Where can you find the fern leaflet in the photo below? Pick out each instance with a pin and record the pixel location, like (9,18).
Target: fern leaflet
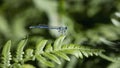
(6,55)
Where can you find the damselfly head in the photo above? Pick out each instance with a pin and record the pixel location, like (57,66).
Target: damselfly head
(62,30)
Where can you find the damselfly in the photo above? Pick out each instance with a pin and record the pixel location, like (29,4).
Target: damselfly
(59,28)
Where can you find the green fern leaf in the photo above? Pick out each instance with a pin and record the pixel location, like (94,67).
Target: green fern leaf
(90,53)
(19,52)
(77,54)
(52,57)
(44,61)
(58,43)
(40,46)
(62,55)
(6,56)
(85,53)
(48,48)
(29,55)
(80,54)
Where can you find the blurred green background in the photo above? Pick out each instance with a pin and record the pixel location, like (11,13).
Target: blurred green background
(93,23)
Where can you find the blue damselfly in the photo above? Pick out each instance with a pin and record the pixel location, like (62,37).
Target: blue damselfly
(60,29)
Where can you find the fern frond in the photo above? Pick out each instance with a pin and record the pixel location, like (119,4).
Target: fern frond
(62,55)
(6,55)
(40,46)
(45,52)
(58,43)
(52,57)
(29,55)
(20,52)
(48,48)
(44,61)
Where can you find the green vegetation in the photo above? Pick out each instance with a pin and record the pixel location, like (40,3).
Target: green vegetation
(91,41)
